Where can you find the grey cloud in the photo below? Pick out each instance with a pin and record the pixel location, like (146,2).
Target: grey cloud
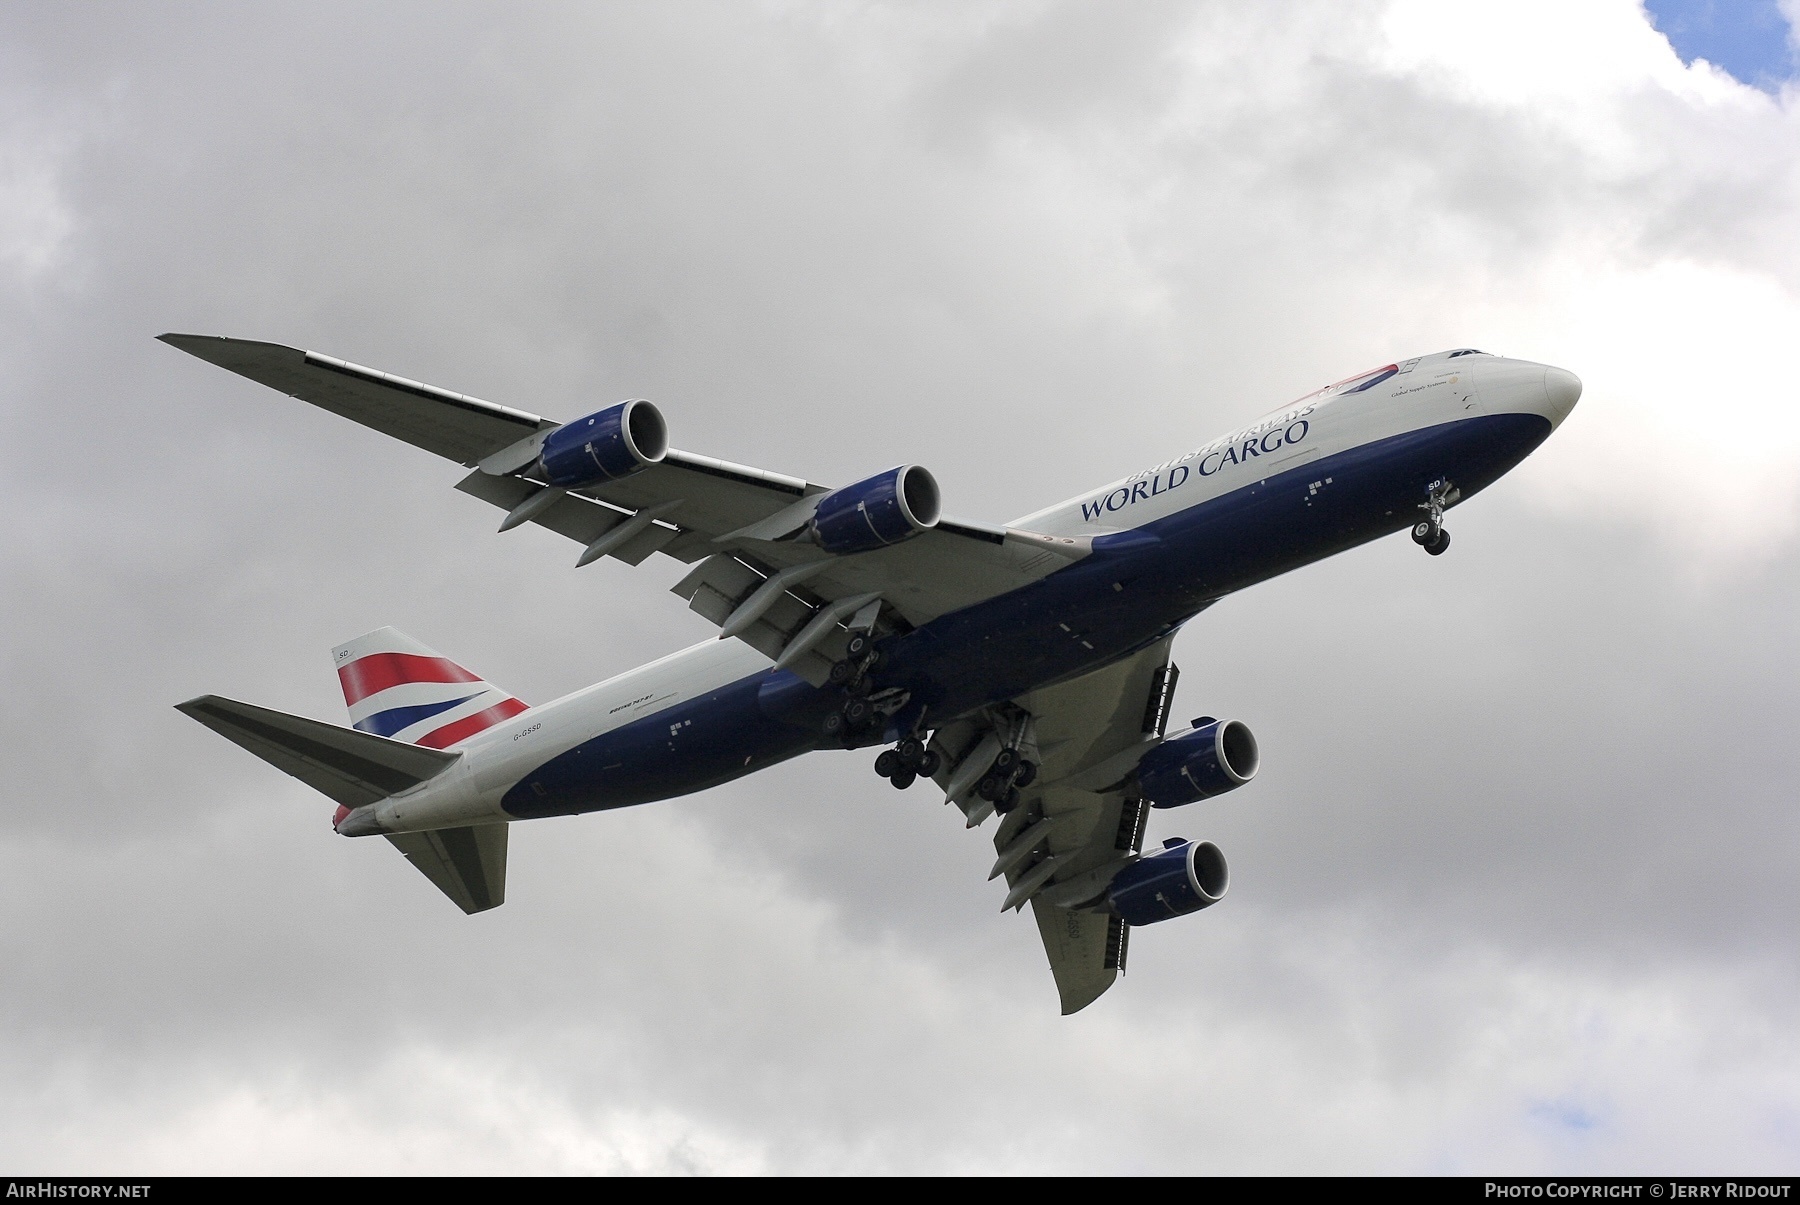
(1514,891)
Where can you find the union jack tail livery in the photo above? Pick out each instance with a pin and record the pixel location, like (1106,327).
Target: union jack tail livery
(397,688)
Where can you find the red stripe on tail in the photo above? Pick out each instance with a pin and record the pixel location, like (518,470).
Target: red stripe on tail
(378,671)
(469,725)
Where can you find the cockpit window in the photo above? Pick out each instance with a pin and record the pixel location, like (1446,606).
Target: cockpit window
(1467,351)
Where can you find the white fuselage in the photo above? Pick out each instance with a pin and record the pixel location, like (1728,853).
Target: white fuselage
(1414,396)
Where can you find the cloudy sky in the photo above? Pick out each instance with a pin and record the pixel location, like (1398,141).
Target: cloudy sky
(1516,890)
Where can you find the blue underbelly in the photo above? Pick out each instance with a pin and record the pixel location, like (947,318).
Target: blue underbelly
(1141,584)
(699,743)
(1136,587)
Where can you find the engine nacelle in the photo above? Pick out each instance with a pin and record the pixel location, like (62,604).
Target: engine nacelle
(1216,757)
(614,443)
(884,509)
(1184,877)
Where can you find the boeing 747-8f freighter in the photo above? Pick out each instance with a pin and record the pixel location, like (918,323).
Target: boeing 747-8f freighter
(1022,668)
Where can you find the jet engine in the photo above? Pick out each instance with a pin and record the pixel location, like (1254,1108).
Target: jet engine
(1216,756)
(1183,877)
(614,443)
(884,509)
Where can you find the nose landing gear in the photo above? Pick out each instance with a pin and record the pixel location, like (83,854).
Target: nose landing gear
(1432,540)
(1428,533)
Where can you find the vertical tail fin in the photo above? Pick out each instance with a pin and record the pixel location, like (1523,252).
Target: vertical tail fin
(396,687)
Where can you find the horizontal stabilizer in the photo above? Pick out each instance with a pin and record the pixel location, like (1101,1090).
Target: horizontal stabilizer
(467,864)
(463,428)
(353,768)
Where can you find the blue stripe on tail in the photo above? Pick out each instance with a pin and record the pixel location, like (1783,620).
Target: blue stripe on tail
(386,723)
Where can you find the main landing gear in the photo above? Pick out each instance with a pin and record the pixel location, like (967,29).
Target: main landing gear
(903,764)
(852,675)
(1428,533)
(908,760)
(1010,774)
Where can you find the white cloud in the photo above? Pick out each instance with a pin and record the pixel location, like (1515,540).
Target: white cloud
(1330,1043)
(1575,64)
(1549,182)
(419,1112)
(1688,412)
(1671,299)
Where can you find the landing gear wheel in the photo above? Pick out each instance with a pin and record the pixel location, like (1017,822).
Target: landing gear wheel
(1007,802)
(929,763)
(993,788)
(855,712)
(1025,775)
(1006,760)
(903,780)
(842,672)
(833,725)
(910,750)
(888,764)
(859,644)
(1428,533)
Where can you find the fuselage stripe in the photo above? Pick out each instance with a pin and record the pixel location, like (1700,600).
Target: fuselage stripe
(1381,374)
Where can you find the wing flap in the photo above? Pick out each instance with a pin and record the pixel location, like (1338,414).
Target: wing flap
(716,497)
(1077,725)
(580,519)
(937,571)
(1086,949)
(719,585)
(467,864)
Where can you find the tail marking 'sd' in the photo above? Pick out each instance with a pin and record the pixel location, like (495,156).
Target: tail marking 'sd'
(396,687)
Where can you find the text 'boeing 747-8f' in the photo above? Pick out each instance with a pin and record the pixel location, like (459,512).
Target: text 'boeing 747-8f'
(1024,669)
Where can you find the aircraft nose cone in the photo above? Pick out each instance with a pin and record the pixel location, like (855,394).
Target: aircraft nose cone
(1562,389)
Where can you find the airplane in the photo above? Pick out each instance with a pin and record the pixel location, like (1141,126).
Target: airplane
(1025,669)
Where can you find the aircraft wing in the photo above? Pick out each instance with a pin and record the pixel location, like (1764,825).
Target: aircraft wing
(733,523)
(1077,824)
(465,429)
